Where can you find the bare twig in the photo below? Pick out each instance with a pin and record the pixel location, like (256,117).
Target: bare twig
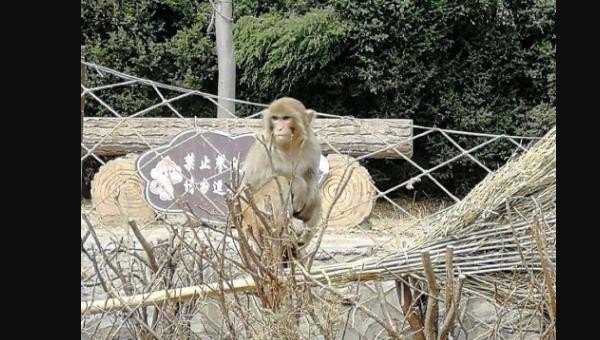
(384,307)
(147,247)
(432,306)
(452,310)
(449,278)
(338,194)
(391,332)
(409,308)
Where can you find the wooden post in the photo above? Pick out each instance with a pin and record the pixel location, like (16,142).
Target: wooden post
(226,61)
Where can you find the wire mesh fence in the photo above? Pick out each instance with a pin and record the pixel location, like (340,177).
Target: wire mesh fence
(378,267)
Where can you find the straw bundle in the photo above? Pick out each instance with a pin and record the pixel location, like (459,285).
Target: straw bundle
(503,234)
(526,182)
(480,256)
(356,199)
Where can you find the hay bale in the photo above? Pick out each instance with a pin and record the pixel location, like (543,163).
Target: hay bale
(356,199)
(117,193)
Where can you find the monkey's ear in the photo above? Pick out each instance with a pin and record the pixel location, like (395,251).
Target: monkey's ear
(310,115)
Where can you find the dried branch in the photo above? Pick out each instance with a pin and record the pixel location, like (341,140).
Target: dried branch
(391,331)
(449,278)
(432,306)
(337,196)
(409,308)
(448,322)
(147,247)
(384,307)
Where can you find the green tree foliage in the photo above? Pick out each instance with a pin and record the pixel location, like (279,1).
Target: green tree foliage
(162,40)
(278,54)
(475,65)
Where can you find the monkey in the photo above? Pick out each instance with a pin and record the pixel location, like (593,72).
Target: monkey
(287,147)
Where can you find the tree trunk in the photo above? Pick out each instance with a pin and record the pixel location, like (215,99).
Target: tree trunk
(226,61)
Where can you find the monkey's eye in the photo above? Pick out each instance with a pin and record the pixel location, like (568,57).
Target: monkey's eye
(275,118)
(286,117)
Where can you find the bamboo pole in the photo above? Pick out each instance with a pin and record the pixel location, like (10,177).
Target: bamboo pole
(244,284)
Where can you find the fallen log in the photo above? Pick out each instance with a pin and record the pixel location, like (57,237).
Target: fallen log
(377,138)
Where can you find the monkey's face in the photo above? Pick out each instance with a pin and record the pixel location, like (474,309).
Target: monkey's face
(288,120)
(283,128)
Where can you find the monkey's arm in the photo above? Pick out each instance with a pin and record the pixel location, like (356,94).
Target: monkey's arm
(306,194)
(257,166)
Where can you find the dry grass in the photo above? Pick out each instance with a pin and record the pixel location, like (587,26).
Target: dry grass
(386,216)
